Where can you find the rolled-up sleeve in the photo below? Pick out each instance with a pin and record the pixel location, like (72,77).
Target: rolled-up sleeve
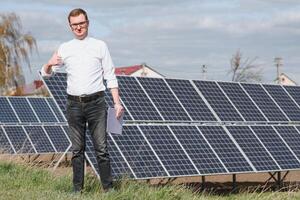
(108,69)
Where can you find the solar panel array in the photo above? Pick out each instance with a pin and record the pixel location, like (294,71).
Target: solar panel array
(177,127)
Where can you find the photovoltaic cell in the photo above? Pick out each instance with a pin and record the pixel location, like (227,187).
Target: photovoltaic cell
(276,147)
(284,101)
(253,148)
(241,101)
(7,114)
(198,149)
(56,110)
(264,102)
(23,109)
(119,167)
(191,100)
(136,101)
(19,139)
(163,98)
(5,147)
(42,109)
(138,153)
(227,151)
(291,136)
(58,138)
(57,84)
(39,139)
(218,101)
(169,151)
(294,91)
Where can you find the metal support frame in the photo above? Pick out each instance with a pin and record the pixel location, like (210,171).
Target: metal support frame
(234,185)
(278,180)
(61,158)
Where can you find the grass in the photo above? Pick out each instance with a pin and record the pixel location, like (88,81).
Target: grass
(22,182)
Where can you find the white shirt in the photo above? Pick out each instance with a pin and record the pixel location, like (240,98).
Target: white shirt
(87,63)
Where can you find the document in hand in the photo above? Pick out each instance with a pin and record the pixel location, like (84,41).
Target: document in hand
(114,125)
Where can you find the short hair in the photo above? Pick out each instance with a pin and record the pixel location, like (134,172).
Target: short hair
(76,12)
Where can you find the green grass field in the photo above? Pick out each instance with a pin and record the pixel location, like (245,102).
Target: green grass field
(22,182)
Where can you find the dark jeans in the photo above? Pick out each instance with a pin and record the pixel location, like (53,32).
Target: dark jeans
(92,114)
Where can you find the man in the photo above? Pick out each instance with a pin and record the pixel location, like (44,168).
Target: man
(88,62)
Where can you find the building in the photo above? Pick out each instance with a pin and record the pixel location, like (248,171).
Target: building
(286,80)
(141,70)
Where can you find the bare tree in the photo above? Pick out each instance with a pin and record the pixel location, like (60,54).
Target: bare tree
(15,48)
(244,70)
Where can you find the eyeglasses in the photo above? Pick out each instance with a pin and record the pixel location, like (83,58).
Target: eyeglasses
(80,24)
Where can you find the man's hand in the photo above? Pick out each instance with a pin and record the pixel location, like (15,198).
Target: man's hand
(119,110)
(54,60)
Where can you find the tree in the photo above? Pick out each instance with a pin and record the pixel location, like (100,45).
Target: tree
(244,71)
(15,48)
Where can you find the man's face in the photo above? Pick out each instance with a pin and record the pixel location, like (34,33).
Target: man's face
(79,26)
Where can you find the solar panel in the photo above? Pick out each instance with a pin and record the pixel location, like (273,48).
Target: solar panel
(284,101)
(42,110)
(119,167)
(169,151)
(291,136)
(225,148)
(242,101)
(164,99)
(294,91)
(7,114)
(276,147)
(138,153)
(199,150)
(58,138)
(264,102)
(23,109)
(136,101)
(39,139)
(218,101)
(191,100)
(57,85)
(253,148)
(5,146)
(56,110)
(19,139)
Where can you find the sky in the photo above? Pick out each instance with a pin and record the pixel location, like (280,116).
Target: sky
(174,37)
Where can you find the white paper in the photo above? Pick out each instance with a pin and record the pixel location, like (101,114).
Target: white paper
(114,125)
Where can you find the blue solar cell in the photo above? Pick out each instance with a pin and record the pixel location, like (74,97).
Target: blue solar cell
(276,147)
(225,148)
(164,99)
(242,102)
(253,148)
(56,110)
(218,101)
(7,114)
(291,136)
(294,91)
(284,101)
(58,138)
(169,151)
(264,102)
(191,100)
(23,109)
(5,146)
(19,139)
(136,101)
(39,139)
(42,110)
(57,85)
(138,153)
(198,149)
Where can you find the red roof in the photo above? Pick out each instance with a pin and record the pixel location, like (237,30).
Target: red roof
(127,70)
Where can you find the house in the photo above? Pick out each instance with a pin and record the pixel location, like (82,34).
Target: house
(141,70)
(286,80)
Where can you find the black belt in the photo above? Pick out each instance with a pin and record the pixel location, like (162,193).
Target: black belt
(86,98)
